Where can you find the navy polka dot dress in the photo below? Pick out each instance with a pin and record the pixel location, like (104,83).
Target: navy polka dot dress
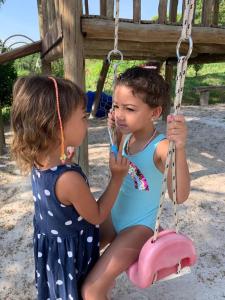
(65,245)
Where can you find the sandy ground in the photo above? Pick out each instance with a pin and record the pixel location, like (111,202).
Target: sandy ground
(202,217)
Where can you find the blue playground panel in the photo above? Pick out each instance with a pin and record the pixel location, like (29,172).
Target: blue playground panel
(104,105)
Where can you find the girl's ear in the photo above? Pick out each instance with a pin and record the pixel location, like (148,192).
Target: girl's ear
(156,113)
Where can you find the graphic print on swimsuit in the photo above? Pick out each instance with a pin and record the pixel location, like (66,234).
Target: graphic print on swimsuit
(140,182)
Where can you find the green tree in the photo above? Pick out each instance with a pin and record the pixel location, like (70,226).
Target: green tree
(197,68)
(8,75)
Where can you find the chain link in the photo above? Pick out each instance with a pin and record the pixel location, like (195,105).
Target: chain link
(180,78)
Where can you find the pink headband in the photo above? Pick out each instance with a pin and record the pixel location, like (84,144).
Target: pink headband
(63,155)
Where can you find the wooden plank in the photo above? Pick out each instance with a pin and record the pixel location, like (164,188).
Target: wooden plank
(136,11)
(173,11)
(20,52)
(104,30)
(110,9)
(209,88)
(162,11)
(203,58)
(100,85)
(103,7)
(73,56)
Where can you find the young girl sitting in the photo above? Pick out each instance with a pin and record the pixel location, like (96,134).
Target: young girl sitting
(139,98)
(48,115)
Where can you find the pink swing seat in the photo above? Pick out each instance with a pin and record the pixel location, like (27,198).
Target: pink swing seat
(170,252)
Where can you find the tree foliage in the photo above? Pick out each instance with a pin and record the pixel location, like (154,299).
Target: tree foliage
(8,75)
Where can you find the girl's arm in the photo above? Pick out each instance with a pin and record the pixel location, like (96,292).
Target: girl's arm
(71,189)
(177,132)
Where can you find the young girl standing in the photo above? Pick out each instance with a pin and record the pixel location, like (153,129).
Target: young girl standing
(48,116)
(140,96)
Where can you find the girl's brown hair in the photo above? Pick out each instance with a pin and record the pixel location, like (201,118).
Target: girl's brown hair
(146,83)
(34,118)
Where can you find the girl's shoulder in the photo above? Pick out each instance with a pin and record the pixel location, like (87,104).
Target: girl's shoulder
(161,146)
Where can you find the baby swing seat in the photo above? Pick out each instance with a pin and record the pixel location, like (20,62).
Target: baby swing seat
(163,258)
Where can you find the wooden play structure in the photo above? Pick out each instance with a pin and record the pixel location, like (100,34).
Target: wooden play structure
(68,31)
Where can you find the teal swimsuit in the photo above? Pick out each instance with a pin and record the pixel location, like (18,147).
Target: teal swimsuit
(138,200)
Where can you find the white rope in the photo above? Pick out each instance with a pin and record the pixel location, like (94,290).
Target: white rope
(180,78)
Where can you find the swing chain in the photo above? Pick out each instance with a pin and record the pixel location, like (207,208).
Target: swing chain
(180,78)
(114,52)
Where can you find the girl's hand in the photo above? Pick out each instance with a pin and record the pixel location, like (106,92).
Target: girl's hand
(177,130)
(118,165)
(111,119)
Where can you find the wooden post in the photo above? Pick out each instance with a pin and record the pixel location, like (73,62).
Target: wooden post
(43,25)
(110,9)
(73,56)
(216,12)
(86,7)
(100,85)
(207,12)
(103,7)
(204,98)
(162,11)
(136,11)
(169,79)
(173,11)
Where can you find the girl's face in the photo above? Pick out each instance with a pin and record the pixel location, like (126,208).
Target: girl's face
(76,127)
(131,113)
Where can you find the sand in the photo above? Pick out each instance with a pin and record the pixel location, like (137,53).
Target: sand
(202,217)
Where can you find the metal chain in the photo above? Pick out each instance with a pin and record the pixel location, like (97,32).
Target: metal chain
(180,78)
(115,51)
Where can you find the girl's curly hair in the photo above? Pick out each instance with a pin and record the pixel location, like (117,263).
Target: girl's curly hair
(34,116)
(147,84)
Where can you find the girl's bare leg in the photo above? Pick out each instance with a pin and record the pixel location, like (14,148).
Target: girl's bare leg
(122,252)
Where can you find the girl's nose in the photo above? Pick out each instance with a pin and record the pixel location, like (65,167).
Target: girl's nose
(119,115)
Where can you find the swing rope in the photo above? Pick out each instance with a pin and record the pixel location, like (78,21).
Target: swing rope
(180,78)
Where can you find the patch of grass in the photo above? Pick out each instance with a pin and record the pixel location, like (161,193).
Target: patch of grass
(210,74)
(6,114)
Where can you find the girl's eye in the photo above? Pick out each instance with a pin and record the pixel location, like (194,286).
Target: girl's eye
(130,109)
(115,107)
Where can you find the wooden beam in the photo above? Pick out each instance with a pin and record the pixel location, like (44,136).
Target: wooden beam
(104,30)
(20,52)
(73,56)
(203,59)
(162,11)
(136,11)
(103,7)
(173,11)
(110,9)
(100,85)
(45,66)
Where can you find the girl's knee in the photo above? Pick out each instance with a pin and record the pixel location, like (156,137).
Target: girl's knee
(89,291)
